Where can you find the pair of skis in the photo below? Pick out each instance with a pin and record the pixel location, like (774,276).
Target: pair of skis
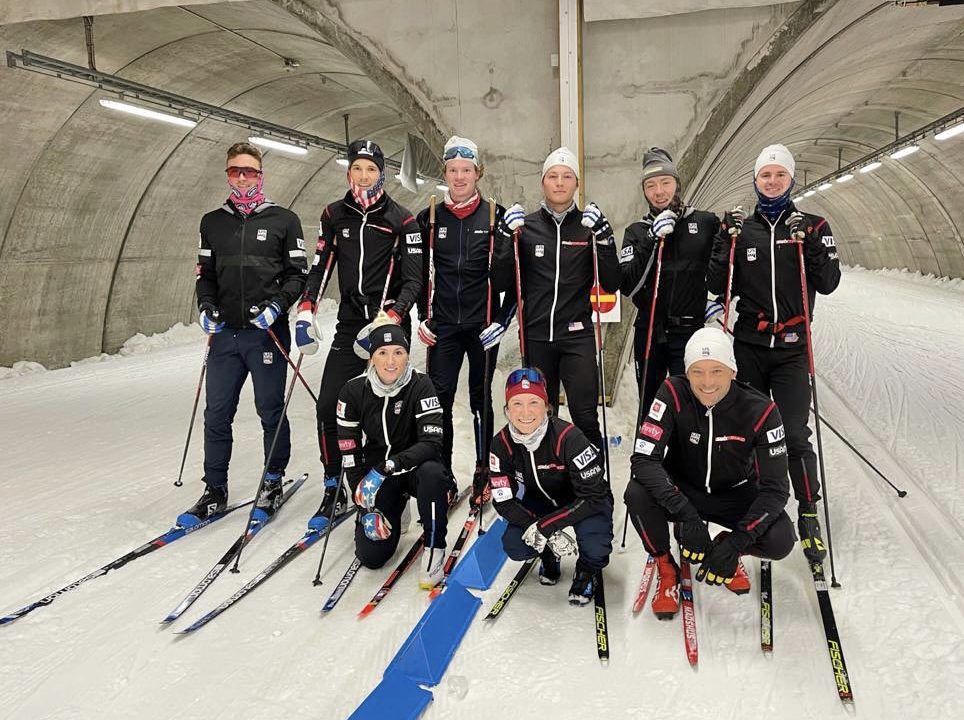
(599,605)
(834,648)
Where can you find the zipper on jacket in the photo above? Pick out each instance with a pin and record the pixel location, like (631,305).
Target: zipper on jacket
(535,474)
(709,451)
(555,287)
(458,266)
(244,305)
(773,271)
(361,263)
(388,444)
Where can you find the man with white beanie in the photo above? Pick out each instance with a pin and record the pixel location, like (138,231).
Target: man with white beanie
(771,333)
(556,279)
(725,462)
(464,282)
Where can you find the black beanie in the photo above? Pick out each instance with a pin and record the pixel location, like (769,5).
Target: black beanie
(368,150)
(657,161)
(387,334)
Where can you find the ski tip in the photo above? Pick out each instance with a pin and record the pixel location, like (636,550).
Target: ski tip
(366,611)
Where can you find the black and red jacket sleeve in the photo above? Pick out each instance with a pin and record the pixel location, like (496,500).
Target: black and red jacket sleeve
(502,481)
(588,477)
(820,257)
(324,248)
(770,445)
(411,259)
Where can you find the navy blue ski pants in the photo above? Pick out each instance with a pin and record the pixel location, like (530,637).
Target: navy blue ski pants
(594,536)
(234,355)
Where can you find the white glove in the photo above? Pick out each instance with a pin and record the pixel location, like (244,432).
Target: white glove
(307,334)
(492,335)
(593,219)
(664,224)
(738,215)
(562,543)
(515,217)
(426,335)
(714,309)
(794,221)
(534,539)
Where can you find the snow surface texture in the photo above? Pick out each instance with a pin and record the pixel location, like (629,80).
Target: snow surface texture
(90,452)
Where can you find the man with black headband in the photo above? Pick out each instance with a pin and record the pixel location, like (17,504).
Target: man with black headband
(362,232)
(251,269)
(390,436)
(681,299)
(771,344)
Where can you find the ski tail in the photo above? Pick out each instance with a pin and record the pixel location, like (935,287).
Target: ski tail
(766,606)
(342,585)
(644,584)
(510,589)
(689,614)
(834,648)
(602,624)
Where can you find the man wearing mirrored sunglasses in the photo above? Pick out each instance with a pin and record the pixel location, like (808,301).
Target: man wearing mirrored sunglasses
(251,269)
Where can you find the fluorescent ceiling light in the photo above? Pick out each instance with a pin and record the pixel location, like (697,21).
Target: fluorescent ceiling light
(950,132)
(145,113)
(904,152)
(870,167)
(845,178)
(796,199)
(825,186)
(810,193)
(342,161)
(420,181)
(443,188)
(275,145)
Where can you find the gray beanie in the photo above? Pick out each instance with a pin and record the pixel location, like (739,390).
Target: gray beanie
(657,161)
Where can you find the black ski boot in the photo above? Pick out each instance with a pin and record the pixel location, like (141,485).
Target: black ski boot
(810,538)
(583,586)
(550,569)
(214,500)
(269,500)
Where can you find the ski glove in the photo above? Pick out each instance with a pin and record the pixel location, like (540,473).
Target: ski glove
(714,309)
(209,319)
(593,219)
(693,539)
(376,526)
(426,333)
(794,221)
(562,543)
(720,563)
(368,488)
(362,345)
(514,218)
(664,224)
(492,335)
(264,316)
(307,334)
(534,538)
(737,215)
(481,492)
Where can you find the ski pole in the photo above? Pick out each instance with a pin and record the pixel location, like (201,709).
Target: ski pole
(197,397)
(486,370)
(518,296)
(734,234)
(649,345)
(267,461)
(287,357)
(797,235)
(331,521)
(600,366)
(430,281)
(388,277)
(900,493)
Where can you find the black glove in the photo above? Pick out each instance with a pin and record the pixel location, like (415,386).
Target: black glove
(694,539)
(720,563)
(481,493)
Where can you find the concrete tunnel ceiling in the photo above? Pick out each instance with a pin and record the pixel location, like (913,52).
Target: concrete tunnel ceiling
(100,239)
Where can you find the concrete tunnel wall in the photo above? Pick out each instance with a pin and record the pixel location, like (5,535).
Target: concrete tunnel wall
(104,249)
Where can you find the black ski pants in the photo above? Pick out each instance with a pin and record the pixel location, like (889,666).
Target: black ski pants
(573,362)
(233,356)
(783,374)
(341,365)
(725,508)
(454,343)
(665,357)
(432,487)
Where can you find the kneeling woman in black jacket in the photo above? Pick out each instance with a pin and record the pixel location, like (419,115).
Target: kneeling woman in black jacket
(390,437)
(545,476)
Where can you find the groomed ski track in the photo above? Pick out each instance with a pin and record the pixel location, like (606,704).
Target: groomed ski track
(90,452)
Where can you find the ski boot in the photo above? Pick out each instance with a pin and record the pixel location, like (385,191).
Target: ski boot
(550,569)
(269,499)
(433,568)
(214,500)
(335,498)
(666,599)
(583,586)
(811,539)
(740,584)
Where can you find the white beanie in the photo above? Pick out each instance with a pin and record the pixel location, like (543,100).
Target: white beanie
(461,148)
(709,344)
(561,156)
(775,155)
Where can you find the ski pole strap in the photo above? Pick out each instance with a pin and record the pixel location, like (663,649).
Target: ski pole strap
(778,328)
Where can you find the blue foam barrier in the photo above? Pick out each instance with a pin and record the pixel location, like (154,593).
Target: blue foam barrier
(482,563)
(426,653)
(396,697)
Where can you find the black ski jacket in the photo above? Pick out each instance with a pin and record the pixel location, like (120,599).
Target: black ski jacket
(681,301)
(739,440)
(565,472)
(247,261)
(460,253)
(557,275)
(364,243)
(406,427)
(766,276)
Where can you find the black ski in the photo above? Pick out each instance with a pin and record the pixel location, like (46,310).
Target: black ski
(342,585)
(229,556)
(837,662)
(175,533)
(602,624)
(766,606)
(510,589)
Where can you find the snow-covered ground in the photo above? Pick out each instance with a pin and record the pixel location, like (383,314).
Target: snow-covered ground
(90,453)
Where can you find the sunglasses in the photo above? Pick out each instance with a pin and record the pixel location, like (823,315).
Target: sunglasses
(533,375)
(235,172)
(459,151)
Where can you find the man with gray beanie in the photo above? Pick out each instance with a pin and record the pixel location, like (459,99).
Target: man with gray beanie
(725,462)
(681,298)
(771,332)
